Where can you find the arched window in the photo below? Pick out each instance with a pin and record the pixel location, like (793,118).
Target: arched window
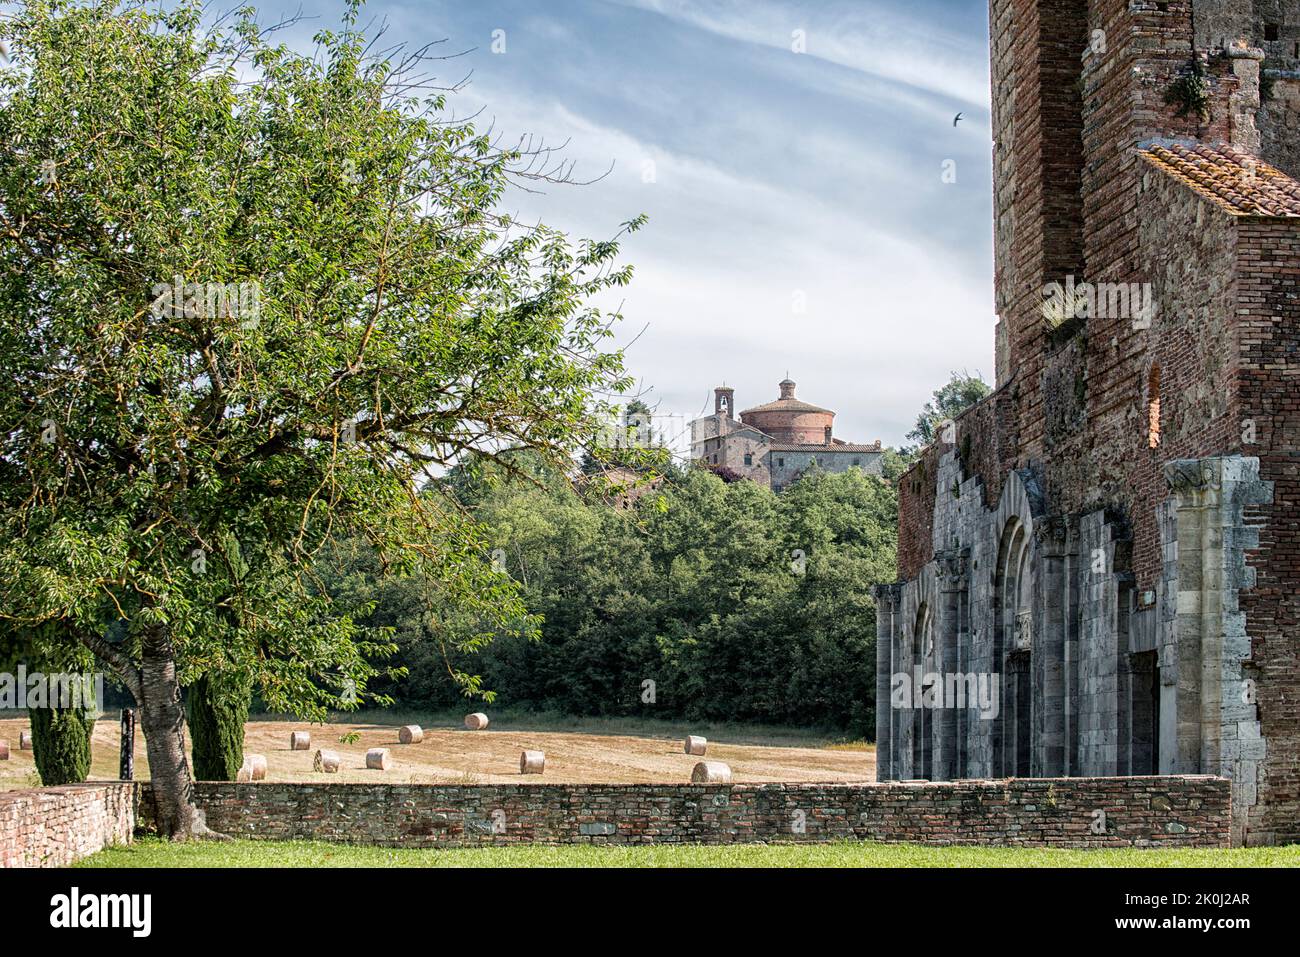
(1013,648)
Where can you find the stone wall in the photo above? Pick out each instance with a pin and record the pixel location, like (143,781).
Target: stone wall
(54,827)
(1192,811)
(786,466)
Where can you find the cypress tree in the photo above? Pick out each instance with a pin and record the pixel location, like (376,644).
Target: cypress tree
(61,744)
(218,710)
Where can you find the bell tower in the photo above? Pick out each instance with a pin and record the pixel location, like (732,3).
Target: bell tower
(724,401)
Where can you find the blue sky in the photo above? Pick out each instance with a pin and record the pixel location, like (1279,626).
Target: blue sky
(773,180)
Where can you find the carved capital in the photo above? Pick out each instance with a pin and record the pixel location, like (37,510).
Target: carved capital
(1193,476)
(951,565)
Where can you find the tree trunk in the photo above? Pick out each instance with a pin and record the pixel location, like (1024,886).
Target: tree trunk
(157,691)
(162,719)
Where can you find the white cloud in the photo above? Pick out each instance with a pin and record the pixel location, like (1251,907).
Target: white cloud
(720,264)
(871,40)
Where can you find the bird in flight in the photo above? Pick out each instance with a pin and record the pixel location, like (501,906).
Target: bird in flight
(956,119)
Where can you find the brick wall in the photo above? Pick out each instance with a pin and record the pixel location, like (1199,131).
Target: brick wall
(54,827)
(1269,414)
(1143,812)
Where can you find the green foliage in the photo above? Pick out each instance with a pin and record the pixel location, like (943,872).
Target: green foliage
(61,744)
(173,467)
(739,604)
(1191,91)
(218,709)
(960,392)
(895,462)
(60,736)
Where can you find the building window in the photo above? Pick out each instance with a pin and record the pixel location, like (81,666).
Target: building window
(1153,408)
(749,459)
(1272,31)
(780,463)
(857,461)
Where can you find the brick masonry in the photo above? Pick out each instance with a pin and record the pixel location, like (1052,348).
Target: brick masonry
(1189,811)
(1161,605)
(54,827)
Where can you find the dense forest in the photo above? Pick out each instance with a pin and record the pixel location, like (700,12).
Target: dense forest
(703,599)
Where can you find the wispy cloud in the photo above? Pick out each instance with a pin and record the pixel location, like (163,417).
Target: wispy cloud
(799,220)
(869,38)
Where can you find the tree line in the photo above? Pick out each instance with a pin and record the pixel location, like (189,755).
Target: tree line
(702,599)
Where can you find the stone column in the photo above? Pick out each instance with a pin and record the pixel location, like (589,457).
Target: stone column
(1218,729)
(948,635)
(1052,628)
(887,597)
(1103,561)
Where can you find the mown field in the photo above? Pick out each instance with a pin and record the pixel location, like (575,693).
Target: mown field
(155,853)
(578,751)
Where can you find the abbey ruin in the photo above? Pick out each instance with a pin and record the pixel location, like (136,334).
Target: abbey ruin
(1112,538)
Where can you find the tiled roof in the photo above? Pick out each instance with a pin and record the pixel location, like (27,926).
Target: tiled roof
(1233,180)
(837,447)
(786,405)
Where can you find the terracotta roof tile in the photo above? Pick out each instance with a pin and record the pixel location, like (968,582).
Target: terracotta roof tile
(786,405)
(1233,180)
(837,447)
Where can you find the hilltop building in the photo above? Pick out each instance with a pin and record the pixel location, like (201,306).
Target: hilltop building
(775,443)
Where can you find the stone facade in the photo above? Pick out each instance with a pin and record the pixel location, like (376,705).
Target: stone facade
(1108,541)
(776,443)
(55,827)
(1113,812)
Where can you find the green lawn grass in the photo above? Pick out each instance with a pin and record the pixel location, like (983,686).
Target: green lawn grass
(156,853)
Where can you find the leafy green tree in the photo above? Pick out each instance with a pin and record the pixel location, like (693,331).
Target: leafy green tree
(738,604)
(239,321)
(895,462)
(960,392)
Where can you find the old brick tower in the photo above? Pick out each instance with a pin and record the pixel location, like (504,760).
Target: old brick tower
(1111,540)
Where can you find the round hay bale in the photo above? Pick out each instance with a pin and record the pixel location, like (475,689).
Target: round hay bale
(532,762)
(256,763)
(476,721)
(711,772)
(24,740)
(377,759)
(410,734)
(4,750)
(327,762)
(300,741)
(696,744)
